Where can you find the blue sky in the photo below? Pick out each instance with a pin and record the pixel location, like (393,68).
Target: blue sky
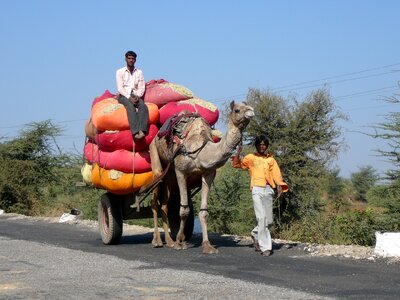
(56,56)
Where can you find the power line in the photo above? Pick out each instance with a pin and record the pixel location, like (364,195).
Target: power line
(338,76)
(286,87)
(369,107)
(368,92)
(333,82)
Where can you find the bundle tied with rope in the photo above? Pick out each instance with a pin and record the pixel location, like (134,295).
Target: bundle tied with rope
(113,160)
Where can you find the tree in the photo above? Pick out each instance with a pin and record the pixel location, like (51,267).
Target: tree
(388,195)
(304,138)
(335,186)
(389,130)
(30,164)
(363,180)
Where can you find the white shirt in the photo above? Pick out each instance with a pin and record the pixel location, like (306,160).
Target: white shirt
(128,82)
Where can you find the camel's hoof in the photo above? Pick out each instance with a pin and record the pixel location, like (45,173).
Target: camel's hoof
(170,244)
(208,249)
(180,246)
(156,244)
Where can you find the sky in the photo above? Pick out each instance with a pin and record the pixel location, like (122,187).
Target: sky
(57,56)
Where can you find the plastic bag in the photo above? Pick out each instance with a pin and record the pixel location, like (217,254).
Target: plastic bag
(72,216)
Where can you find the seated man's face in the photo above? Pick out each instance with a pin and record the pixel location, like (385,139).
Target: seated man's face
(130,60)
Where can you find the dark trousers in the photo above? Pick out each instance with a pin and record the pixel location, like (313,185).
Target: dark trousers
(138,114)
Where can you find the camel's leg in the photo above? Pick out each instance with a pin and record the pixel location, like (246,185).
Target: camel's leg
(156,168)
(157,242)
(164,214)
(206,182)
(183,211)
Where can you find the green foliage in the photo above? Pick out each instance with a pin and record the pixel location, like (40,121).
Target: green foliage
(388,198)
(363,180)
(390,132)
(29,163)
(230,205)
(335,186)
(304,139)
(357,227)
(350,227)
(37,179)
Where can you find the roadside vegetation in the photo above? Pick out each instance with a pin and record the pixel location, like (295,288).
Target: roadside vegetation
(37,178)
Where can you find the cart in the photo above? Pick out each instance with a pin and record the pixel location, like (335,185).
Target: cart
(113,209)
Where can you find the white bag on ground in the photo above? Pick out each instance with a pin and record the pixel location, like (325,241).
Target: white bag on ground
(73,216)
(387,244)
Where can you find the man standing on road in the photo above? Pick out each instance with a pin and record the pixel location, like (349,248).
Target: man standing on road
(265,177)
(131,87)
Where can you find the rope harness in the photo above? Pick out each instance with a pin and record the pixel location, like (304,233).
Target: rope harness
(176,129)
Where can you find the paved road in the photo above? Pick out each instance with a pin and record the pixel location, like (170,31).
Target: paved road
(41,260)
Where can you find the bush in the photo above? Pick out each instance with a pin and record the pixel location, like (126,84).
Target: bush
(230,204)
(30,164)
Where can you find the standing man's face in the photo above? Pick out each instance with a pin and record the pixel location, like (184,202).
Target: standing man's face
(262,148)
(130,61)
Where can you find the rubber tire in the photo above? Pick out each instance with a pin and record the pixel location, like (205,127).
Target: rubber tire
(110,219)
(174,218)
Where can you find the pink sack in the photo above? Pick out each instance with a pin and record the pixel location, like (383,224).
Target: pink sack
(107,94)
(120,160)
(161,92)
(115,140)
(205,109)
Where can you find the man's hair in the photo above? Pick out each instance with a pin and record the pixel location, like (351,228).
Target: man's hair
(261,138)
(130,53)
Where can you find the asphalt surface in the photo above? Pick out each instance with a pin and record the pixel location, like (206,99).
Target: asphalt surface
(62,253)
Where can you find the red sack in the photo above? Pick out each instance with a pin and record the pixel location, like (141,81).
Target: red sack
(161,92)
(107,94)
(205,109)
(115,140)
(120,160)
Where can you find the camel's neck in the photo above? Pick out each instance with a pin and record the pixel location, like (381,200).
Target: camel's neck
(231,139)
(216,154)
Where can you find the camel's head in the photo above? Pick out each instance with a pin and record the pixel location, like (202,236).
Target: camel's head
(241,113)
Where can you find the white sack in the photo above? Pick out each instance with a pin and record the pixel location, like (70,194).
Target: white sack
(387,244)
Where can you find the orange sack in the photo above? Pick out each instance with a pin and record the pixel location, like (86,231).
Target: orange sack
(118,182)
(108,114)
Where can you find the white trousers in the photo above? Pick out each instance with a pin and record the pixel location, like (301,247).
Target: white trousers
(263,202)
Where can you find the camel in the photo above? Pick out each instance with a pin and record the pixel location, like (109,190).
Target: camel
(197,158)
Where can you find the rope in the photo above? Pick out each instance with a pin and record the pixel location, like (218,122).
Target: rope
(133,163)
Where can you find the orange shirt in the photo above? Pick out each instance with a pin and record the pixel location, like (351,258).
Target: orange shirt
(263,170)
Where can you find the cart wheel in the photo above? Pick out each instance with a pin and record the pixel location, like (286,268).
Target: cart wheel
(174,219)
(110,219)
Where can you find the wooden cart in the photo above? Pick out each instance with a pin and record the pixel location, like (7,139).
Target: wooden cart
(113,209)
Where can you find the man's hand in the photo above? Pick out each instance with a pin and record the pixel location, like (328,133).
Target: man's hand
(134,99)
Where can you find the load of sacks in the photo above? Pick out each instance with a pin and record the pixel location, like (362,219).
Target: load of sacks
(114,161)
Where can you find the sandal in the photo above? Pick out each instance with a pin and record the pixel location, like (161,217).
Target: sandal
(266,253)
